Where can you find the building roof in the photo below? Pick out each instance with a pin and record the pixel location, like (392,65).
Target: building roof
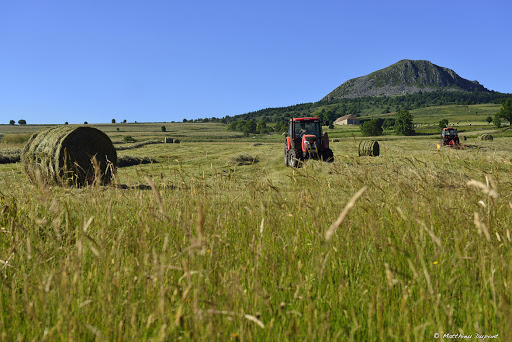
(346,117)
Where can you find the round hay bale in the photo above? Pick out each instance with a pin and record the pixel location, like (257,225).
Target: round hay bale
(176,141)
(369,148)
(486,137)
(65,155)
(168,140)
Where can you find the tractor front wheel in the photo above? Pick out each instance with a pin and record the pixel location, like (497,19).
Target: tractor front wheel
(292,158)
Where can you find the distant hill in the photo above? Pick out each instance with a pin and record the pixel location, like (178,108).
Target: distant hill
(405,77)
(408,84)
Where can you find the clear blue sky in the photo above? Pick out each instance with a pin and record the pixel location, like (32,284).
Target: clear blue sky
(156,60)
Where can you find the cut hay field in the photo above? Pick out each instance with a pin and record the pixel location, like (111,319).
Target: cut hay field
(196,247)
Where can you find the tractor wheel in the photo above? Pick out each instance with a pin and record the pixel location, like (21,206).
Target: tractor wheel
(292,158)
(286,154)
(327,155)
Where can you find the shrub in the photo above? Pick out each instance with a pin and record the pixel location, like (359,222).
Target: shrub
(128,138)
(371,128)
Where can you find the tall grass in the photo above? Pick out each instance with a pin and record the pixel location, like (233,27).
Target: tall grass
(220,252)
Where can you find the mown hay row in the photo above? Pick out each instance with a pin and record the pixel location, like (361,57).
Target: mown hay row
(244,159)
(125,161)
(10,156)
(369,148)
(137,145)
(65,155)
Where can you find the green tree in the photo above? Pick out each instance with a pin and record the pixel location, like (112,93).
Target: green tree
(249,127)
(497,121)
(163,128)
(506,110)
(239,126)
(113,120)
(85,123)
(371,128)
(388,123)
(280,127)
(12,122)
(488,119)
(403,124)
(66,123)
(328,116)
(261,127)
(443,123)
(22,122)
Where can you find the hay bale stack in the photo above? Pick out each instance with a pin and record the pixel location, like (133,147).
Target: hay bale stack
(486,137)
(168,140)
(369,148)
(63,156)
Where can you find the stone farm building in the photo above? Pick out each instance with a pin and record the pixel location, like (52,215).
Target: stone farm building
(347,120)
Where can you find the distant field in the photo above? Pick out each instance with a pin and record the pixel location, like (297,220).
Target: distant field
(468,119)
(456,114)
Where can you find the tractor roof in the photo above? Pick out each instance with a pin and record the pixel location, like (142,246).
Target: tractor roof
(444,129)
(306,119)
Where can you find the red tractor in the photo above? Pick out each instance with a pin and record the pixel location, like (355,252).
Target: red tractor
(305,140)
(449,137)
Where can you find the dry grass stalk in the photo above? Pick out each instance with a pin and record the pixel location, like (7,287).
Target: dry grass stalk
(157,195)
(344,213)
(484,188)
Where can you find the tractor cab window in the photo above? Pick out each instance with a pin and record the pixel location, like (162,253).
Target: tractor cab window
(307,128)
(450,132)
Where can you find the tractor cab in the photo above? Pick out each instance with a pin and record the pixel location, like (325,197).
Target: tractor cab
(305,140)
(449,136)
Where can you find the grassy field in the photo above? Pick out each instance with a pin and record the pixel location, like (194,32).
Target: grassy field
(216,251)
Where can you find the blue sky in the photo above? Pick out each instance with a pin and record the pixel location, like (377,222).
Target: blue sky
(161,61)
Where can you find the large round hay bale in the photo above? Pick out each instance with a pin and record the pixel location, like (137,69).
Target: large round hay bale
(168,140)
(486,137)
(65,155)
(176,141)
(369,148)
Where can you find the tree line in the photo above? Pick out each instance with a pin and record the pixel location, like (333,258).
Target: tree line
(329,111)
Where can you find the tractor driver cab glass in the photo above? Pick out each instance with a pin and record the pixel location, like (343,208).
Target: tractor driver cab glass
(451,132)
(307,128)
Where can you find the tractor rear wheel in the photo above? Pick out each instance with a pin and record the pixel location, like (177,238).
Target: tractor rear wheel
(286,154)
(327,155)
(292,158)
